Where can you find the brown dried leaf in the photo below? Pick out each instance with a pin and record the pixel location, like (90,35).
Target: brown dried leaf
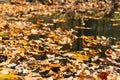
(103,75)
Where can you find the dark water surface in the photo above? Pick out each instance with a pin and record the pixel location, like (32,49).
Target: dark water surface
(99,27)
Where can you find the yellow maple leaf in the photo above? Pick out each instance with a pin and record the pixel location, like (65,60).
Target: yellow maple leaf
(7,76)
(79,56)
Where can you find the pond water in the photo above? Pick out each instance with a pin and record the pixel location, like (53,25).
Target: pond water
(99,27)
(104,27)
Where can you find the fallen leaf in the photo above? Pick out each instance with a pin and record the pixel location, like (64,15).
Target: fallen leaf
(7,76)
(103,75)
(79,56)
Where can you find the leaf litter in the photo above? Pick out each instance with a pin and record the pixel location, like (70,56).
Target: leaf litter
(33,51)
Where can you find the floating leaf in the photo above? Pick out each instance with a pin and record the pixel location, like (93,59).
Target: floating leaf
(59,20)
(115,24)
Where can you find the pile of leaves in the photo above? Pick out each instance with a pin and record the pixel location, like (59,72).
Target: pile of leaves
(33,51)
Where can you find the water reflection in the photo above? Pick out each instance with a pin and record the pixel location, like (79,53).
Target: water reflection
(104,27)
